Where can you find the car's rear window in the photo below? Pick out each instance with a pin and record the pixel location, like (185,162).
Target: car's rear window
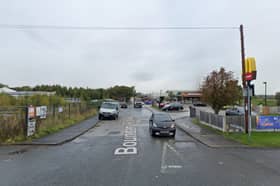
(108,105)
(162,117)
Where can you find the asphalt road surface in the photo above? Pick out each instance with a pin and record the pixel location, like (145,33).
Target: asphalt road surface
(91,160)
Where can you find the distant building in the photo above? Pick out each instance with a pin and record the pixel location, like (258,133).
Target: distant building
(24,93)
(6,90)
(191,96)
(155,95)
(186,95)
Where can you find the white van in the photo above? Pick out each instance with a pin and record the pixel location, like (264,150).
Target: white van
(108,110)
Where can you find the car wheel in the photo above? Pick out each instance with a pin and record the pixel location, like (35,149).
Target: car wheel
(100,117)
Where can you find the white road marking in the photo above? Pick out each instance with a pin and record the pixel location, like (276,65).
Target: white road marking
(174,150)
(174,166)
(129,142)
(163,158)
(163,165)
(7,160)
(79,140)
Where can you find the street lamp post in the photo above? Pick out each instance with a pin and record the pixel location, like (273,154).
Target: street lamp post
(265,93)
(159,101)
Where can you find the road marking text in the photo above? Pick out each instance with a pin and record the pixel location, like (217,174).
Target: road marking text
(129,142)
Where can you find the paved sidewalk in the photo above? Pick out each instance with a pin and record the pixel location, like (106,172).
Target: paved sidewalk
(206,136)
(65,135)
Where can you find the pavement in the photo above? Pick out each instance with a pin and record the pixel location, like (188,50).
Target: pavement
(206,136)
(203,135)
(65,135)
(91,159)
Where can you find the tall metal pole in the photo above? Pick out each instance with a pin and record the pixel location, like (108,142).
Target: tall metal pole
(159,99)
(249,111)
(265,93)
(244,83)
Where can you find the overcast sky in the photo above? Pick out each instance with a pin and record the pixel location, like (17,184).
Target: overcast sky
(150,60)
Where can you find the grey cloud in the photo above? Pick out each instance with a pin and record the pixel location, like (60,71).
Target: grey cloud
(150,60)
(142,76)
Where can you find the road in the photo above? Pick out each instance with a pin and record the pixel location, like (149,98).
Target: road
(91,160)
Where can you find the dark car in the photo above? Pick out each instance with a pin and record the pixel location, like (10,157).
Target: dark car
(123,105)
(161,124)
(199,104)
(173,106)
(138,105)
(148,102)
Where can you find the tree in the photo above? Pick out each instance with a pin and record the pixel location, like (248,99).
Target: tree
(171,95)
(219,89)
(277,97)
(121,92)
(3,85)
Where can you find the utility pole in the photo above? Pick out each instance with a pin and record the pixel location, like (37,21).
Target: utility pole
(159,99)
(244,83)
(265,93)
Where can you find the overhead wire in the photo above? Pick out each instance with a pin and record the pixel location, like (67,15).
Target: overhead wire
(60,27)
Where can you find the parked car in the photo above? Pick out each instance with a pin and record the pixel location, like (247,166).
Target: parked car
(173,106)
(162,124)
(123,105)
(108,110)
(199,104)
(162,104)
(235,111)
(138,104)
(148,102)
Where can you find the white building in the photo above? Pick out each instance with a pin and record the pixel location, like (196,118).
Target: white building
(14,93)
(6,90)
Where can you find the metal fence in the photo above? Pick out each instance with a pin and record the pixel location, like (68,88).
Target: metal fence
(221,122)
(237,123)
(13,120)
(212,119)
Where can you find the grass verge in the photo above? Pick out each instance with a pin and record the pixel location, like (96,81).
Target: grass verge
(257,139)
(44,131)
(156,107)
(51,126)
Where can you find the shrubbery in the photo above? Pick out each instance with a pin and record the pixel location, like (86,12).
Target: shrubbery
(7,100)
